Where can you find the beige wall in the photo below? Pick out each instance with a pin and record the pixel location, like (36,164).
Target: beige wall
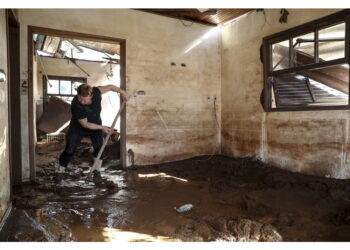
(312,142)
(97,72)
(174,120)
(4,132)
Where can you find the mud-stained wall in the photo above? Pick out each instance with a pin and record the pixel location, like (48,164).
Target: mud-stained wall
(174,119)
(4,130)
(312,142)
(98,77)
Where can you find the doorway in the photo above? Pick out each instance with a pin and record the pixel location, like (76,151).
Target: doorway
(75,41)
(14,97)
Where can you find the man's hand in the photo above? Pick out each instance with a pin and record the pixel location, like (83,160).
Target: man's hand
(106,129)
(125,96)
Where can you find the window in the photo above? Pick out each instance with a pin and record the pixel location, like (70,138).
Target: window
(307,67)
(64,88)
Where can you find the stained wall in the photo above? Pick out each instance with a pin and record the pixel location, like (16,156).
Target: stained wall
(311,142)
(177,118)
(4,124)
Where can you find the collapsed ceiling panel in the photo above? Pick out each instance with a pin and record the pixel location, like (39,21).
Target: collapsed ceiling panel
(51,44)
(55,116)
(105,47)
(77,49)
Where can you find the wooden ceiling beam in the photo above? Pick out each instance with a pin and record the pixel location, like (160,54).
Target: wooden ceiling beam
(212,17)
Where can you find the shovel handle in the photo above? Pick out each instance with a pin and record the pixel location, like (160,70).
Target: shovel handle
(106,139)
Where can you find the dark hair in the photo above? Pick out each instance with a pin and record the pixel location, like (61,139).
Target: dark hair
(84,90)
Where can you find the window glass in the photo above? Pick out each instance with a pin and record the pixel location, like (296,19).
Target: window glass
(280,55)
(304,49)
(52,87)
(65,87)
(332,42)
(75,87)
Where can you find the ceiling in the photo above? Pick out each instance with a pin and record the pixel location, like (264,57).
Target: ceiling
(51,44)
(205,16)
(109,48)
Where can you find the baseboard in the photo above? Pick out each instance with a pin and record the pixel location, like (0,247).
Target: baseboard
(6,215)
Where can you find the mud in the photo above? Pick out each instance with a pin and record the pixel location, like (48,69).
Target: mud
(234,200)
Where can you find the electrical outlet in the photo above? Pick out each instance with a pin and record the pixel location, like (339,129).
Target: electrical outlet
(211,98)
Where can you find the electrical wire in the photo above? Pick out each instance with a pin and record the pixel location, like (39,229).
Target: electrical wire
(42,65)
(186,25)
(218,126)
(109,79)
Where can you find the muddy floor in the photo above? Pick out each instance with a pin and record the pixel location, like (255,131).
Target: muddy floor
(233,200)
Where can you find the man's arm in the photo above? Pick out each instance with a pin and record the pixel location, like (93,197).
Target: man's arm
(93,126)
(110,87)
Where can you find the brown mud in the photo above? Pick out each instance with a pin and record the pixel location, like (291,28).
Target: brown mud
(233,200)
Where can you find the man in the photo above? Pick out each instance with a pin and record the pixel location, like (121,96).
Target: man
(86,120)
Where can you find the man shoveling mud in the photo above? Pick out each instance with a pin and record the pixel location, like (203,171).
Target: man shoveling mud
(86,120)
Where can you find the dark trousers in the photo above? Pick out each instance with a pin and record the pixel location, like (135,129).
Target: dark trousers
(73,139)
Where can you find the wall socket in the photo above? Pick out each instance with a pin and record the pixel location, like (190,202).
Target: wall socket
(211,98)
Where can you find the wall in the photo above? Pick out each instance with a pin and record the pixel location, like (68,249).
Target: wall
(97,72)
(175,119)
(311,142)
(4,132)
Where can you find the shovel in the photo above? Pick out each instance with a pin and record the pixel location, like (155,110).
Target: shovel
(97,159)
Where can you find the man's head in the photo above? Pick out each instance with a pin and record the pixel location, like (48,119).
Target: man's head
(85,94)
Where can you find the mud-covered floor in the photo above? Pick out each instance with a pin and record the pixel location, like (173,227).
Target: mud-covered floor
(233,199)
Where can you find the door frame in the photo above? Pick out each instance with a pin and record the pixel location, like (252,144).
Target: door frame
(75,35)
(14,97)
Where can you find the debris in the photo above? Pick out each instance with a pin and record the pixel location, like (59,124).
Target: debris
(56,114)
(184,208)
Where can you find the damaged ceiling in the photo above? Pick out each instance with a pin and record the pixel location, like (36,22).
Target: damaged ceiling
(205,16)
(104,47)
(60,47)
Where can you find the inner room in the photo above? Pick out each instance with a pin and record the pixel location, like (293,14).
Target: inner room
(61,65)
(174,125)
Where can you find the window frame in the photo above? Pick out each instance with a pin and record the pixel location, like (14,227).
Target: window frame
(313,26)
(59,78)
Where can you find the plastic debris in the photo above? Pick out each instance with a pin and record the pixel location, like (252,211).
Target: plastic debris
(184,208)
